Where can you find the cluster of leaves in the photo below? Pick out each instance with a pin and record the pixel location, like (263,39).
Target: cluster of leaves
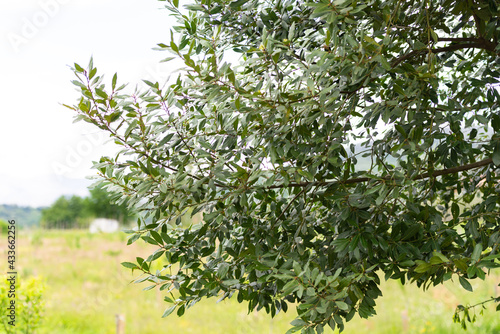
(348,138)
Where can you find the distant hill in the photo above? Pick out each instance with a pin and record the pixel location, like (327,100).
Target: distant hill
(24,216)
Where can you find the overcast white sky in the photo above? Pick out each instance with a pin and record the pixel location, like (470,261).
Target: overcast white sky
(43,153)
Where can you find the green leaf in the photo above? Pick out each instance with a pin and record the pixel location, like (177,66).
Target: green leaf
(422,267)
(407,263)
(79,84)
(113,117)
(101,93)
(130,265)
(155,256)
(465,284)
(400,91)
(401,130)
(441,256)
(165,60)
(230,282)
(383,61)
(496,154)
(297,268)
(149,240)
(238,3)
(491,257)
(495,122)
(460,264)
(332,324)
(156,236)
(436,260)
(298,322)
(92,73)
(133,238)
(168,311)
(341,305)
(478,249)
(113,82)
(290,287)
(434,36)
(223,269)
(174,47)
(150,84)
(78,68)
(455,210)
(131,127)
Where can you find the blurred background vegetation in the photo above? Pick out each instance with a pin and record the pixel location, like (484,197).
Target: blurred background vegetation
(69,212)
(26,215)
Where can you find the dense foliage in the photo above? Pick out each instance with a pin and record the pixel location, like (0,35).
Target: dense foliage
(350,139)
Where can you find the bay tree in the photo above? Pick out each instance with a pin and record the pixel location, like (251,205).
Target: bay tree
(326,144)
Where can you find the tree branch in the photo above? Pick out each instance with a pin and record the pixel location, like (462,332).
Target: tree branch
(457,40)
(441,172)
(477,21)
(480,43)
(455,170)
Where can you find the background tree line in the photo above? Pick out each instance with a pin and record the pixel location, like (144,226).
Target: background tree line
(25,216)
(78,212)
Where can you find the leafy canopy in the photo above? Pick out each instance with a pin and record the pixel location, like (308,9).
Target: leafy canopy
(349,138)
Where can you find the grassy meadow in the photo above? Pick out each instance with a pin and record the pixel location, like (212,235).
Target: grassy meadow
(86,287)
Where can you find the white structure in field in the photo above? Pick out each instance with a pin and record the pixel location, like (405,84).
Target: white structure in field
(104,225)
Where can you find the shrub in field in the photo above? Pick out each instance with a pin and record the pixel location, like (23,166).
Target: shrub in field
(25,315)
(3,226)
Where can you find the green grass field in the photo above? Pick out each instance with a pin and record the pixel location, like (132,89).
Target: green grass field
(86,287)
